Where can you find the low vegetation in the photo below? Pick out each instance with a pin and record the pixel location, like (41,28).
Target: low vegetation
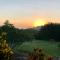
(38,54)
(51,48)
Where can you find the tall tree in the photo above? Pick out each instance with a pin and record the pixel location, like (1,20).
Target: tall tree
(50,31)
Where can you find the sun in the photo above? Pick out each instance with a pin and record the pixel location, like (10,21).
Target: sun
(39,23)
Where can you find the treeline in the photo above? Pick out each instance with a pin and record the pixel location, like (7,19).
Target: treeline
(14,35)
(49,32)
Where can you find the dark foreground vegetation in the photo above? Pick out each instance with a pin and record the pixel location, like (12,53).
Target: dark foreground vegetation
(49,32)
(14,36)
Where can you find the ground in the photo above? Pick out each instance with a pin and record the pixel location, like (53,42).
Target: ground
(49,47)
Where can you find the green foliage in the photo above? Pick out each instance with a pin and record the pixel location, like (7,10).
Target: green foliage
(58,46)
(37,54)
(5,51)
(50,31)
(49,47)
(15,35)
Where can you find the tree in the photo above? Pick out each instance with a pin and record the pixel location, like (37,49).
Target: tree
(50,31)
(15,35)
(8,24)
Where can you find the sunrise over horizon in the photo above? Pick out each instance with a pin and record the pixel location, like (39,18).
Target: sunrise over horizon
(29,13)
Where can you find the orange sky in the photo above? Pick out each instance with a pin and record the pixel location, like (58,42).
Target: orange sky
(23,23)
(19,23)
(28,22)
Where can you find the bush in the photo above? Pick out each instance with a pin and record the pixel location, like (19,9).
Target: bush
(5,51)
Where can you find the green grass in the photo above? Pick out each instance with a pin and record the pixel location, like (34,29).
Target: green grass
(49,47)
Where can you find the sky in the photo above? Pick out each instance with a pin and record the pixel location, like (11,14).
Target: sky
(22,13)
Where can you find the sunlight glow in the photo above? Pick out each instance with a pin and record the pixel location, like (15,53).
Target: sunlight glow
(39,22)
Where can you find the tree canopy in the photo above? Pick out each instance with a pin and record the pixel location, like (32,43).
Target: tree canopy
(50,31)
(15,35)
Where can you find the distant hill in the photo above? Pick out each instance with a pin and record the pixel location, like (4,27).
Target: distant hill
(37,28)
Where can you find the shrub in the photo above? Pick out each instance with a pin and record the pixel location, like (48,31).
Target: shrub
(5,51)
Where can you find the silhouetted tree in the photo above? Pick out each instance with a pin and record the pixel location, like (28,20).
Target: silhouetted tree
(50,31)
(15,35)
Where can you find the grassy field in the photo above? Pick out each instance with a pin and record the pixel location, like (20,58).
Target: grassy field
(50,48)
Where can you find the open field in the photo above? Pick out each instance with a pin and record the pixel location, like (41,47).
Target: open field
(50,48)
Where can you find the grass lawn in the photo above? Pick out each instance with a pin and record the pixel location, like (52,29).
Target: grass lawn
(50,48)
